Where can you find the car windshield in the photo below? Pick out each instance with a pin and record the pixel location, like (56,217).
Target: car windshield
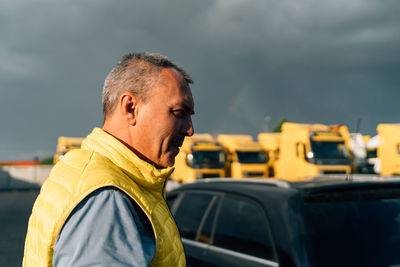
(207,159)
(357,228)
(251,156)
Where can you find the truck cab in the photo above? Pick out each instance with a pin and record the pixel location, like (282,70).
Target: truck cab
(66,144)
(311,150)
(245,157)
(200,156)
(388,150)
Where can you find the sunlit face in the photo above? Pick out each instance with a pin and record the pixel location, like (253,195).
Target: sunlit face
(165,119)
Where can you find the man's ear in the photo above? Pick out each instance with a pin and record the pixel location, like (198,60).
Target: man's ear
(129,107)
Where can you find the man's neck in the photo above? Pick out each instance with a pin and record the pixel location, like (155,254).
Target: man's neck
(137,153)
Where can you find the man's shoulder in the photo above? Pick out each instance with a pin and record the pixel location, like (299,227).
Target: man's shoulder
(76,158)
(81,172)
(81,163)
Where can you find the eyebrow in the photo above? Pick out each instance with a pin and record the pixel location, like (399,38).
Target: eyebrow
(187,107)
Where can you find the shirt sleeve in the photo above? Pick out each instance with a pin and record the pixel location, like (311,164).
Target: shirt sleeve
(104,230)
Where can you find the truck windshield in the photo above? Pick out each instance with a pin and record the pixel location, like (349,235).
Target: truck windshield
(205,159)
(357,228)
(330,153)
(251,156)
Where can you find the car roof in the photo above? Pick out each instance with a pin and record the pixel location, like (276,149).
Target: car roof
(305,185)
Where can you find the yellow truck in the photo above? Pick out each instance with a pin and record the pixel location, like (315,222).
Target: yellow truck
(269,142)
(66,144)
(307,150)
(200,156)
(388,150)
(244,156)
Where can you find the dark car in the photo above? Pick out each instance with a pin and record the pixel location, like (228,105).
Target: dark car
(261,222)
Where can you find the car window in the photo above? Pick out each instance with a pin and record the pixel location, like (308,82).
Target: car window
(358,227)
(243,227)
(206,226)
(190,212)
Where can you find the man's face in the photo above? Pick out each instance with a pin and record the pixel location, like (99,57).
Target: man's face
(165,119)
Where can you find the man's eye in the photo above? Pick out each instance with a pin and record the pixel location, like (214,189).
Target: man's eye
(179,113)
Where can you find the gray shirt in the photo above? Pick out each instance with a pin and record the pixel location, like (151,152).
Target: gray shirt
(105,229)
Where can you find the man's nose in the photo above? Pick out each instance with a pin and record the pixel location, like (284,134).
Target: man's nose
(189,131)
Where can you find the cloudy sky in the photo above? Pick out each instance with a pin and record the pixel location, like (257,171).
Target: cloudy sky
(253,62)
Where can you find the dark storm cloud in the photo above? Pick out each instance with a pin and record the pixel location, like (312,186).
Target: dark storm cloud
(253,62)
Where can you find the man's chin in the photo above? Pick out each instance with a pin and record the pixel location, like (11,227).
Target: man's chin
(169,161)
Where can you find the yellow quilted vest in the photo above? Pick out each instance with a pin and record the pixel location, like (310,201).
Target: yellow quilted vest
(102,161)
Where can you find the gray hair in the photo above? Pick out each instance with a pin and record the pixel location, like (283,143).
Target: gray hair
(135,73)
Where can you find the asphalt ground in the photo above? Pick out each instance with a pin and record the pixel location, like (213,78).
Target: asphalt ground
(15,209)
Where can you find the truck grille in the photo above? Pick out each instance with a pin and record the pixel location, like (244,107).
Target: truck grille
(333,172)
(253,174)
(210,175)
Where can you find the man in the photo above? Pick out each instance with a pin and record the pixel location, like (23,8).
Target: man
(103,204)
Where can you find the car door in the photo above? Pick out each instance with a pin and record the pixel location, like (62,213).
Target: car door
(194,210)
(220,229)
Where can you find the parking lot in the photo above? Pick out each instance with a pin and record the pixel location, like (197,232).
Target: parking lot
(15,208)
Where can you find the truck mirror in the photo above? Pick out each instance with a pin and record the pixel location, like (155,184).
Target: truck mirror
(189,159)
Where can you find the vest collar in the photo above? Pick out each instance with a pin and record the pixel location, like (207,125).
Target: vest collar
(137,169)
